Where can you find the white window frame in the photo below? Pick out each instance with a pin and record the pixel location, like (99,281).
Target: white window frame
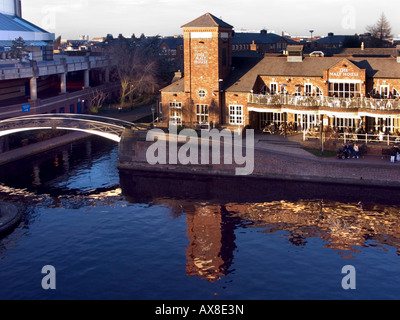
(318,91)
(297,91)
(308,92)
(396,93)
(272,85)
(175,113)
(202,93)
(385,88)
(202,113)
(236,116)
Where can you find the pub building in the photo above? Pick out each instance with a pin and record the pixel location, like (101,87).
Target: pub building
(226,90)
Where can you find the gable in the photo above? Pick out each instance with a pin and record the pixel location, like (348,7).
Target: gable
(346,70)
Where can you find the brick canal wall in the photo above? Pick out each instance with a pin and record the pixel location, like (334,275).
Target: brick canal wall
(268,164)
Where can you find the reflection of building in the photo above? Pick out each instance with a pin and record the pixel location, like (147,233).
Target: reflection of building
(217,207)
(344,226)
(236,90)
(210,251)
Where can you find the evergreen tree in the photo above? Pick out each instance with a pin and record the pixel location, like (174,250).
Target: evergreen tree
(382,29)
(17,49)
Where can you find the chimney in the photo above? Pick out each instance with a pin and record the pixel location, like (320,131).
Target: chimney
(295,53)
(253,46)
(177,76)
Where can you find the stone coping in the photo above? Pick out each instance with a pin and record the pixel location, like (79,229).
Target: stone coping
(10,216)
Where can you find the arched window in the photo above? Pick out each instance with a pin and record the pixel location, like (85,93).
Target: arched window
(264,90)
(318,91)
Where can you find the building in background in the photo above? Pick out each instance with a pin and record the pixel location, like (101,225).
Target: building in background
(360,88)
(39,81)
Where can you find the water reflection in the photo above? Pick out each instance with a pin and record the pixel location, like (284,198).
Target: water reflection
(215,207)
(347,219)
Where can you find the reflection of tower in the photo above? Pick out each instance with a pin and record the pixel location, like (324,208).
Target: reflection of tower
(211,236)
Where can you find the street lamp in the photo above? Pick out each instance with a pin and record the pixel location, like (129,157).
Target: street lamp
(152,111)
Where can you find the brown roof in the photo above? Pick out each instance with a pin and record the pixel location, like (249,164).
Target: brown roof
(207,21)
(379,67)
(312,67)
(177,86)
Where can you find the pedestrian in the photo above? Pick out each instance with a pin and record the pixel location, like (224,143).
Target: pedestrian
(348,151)
(356,151)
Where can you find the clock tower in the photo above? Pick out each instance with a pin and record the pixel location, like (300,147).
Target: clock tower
(208,61)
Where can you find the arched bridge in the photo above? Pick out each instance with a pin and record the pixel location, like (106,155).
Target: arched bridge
(109,128)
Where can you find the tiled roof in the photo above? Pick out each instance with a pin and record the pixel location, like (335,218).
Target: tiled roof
(177,86)
(172,43)
(258,38)
(311,67)
(13,23)
(207,21)
(335,39)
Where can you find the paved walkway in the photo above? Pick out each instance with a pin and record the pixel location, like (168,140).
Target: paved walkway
(291,145)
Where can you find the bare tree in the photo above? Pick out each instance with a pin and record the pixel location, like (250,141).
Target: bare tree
(97,98)
(136,69)
(381,29)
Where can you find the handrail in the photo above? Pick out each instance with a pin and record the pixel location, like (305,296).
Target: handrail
(324,101)
(366,138)
(72,116)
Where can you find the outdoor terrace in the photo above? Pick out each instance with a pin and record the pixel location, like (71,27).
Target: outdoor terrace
(323,101)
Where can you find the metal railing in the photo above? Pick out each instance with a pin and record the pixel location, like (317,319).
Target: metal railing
(367,138)
(323,101)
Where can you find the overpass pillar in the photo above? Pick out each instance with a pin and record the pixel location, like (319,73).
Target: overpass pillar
(33,88)
(86,79)
(63,83)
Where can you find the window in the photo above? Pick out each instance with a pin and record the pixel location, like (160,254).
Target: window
(175,113)
(298,91)
(236,114)
(318,91)
(202,113)
(384,92)
(308,89)
(396,93)
(274,87)
(344,89)
(202,93)
(264,90)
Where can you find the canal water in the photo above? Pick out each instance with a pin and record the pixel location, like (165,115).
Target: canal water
(125,235)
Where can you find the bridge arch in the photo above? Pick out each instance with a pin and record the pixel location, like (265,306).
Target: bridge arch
(109,128)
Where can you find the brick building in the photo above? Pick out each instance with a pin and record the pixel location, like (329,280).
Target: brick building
(225,89)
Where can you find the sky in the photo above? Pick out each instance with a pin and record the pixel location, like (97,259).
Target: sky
(97,18)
